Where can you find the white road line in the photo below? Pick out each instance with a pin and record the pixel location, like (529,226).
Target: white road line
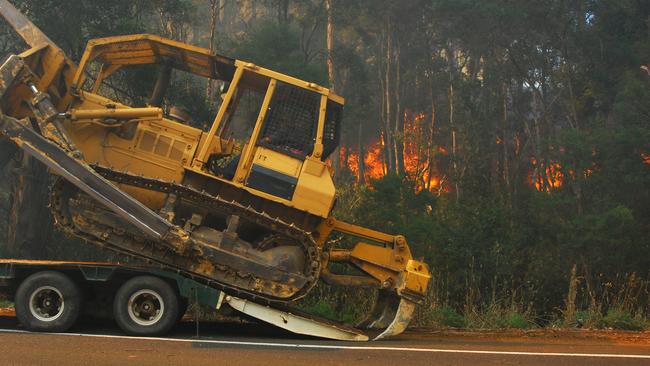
(341,347)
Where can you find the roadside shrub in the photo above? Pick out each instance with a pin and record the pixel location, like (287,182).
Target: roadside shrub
(499,317)
(518,321)
(623,320)
(588,319)
(6,303)
(448,317)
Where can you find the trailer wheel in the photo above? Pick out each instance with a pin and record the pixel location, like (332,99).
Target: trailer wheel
(146,306)
(48,301)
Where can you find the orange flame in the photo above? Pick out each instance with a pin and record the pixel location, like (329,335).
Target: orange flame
(373,161)
(417,166)
(416,160)
(546,177)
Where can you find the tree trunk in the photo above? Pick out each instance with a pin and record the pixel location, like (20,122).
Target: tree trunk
(362,154)
(398,139)
(214,16)
(331,74)
(431,130)
(505,165)
(452,124)
(345,162)
(29,223)
(253,10)
(222,13)
(283,11)
(7,152)
(382,82)
(388,138)
(330,46)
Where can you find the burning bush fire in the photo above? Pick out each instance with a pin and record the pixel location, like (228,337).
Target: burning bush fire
(546,176)
(418,156)
(420,164)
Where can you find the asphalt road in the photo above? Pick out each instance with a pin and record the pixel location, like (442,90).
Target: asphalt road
(229,344)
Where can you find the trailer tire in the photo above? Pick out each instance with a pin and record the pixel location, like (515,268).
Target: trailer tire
(48,301)
(146,306)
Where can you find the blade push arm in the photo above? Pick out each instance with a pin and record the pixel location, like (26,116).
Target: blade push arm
(389,266)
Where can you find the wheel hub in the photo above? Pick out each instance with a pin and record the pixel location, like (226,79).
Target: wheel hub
(146,307)
(46,303)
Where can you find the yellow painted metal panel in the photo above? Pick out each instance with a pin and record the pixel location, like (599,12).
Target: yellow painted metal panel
(417,276)
(314,167)
(148,49)
(239,185)
(313,193)
(277,161)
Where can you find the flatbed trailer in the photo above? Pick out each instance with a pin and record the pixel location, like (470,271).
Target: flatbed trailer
(51,295)
(144,300)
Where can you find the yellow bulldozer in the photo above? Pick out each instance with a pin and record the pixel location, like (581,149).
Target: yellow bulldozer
(243,205)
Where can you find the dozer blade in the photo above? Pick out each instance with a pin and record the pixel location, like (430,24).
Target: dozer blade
(401,320)
(390,315)
(296,322)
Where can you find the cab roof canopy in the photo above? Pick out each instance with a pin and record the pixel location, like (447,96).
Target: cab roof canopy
(144,49)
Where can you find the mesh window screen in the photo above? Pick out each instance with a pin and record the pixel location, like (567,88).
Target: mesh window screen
(332,129)
(290,123)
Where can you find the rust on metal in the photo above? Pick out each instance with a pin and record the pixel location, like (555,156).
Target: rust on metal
(59,263)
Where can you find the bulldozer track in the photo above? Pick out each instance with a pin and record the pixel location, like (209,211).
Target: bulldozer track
(139,247)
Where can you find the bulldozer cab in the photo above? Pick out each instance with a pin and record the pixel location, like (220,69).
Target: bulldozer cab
(284,126)
(270,131)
